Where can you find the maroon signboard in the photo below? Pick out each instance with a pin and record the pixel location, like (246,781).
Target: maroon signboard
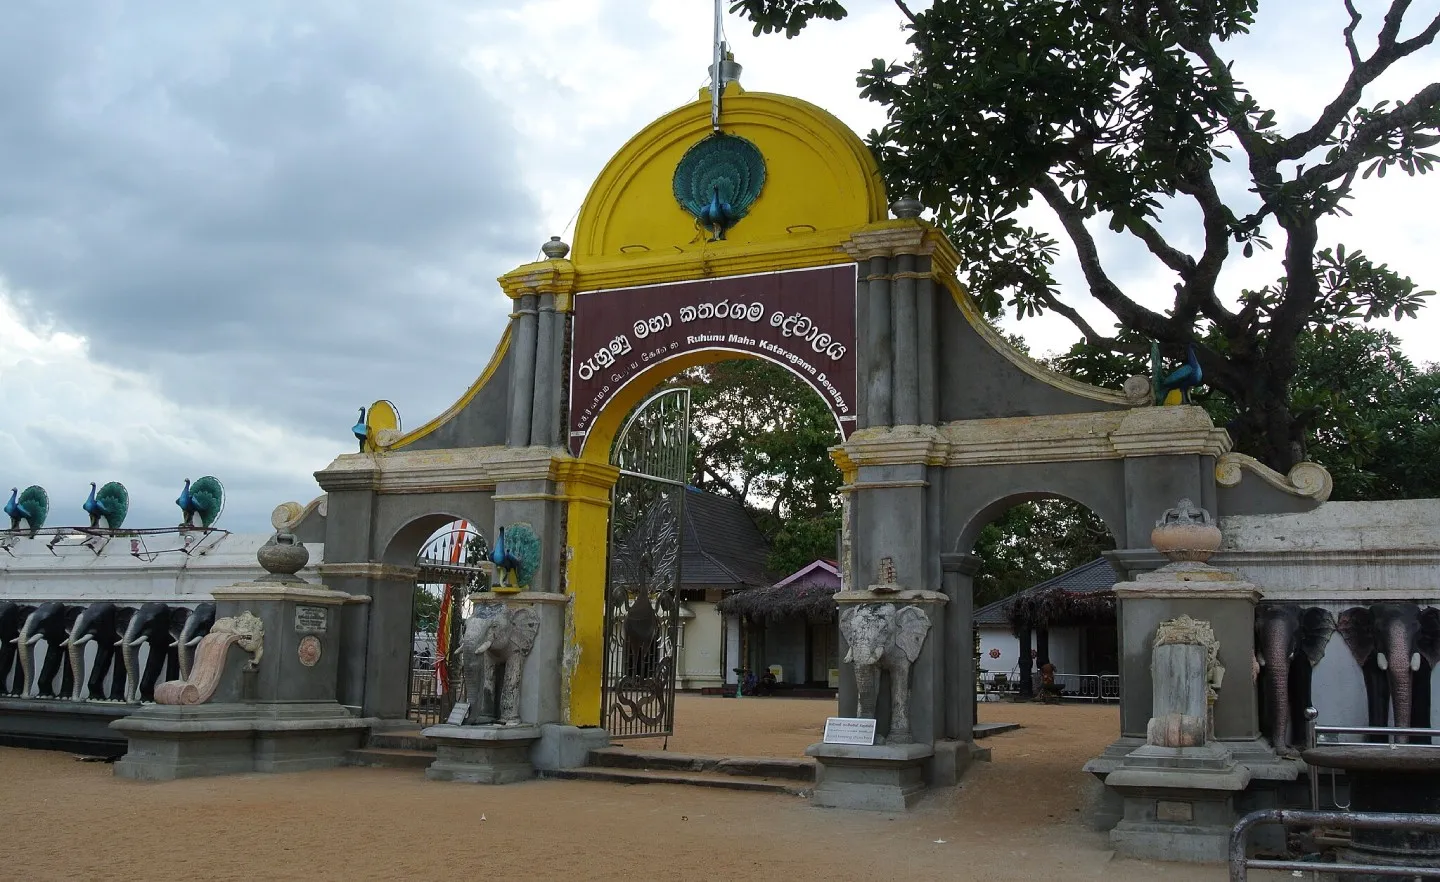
(803,320)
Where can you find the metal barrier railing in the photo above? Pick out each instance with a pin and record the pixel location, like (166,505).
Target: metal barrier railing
(1110,687)
(1314,732)
(1240,865)
(1087,687)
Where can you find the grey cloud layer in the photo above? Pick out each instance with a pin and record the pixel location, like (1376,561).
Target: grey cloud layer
(272,208)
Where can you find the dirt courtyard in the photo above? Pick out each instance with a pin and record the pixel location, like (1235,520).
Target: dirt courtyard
(1017,818)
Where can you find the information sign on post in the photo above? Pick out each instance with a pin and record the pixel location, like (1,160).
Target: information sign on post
(849,730)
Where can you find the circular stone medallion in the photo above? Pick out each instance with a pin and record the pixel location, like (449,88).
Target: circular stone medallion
(309,650)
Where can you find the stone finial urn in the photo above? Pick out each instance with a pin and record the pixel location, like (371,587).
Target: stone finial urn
(1186,533)
(282,557)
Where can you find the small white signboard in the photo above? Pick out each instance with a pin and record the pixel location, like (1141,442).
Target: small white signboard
(457,713)
(849,730)
(312,619)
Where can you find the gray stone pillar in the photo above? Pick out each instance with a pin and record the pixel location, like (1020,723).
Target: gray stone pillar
(879,344)
(906,377)
(928,350)
(522,382)
(543,417)
(959,573)
(387,651)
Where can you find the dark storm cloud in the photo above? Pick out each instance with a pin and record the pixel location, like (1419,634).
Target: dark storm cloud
(267,205)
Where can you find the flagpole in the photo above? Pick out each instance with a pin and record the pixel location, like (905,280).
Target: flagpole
(717,82)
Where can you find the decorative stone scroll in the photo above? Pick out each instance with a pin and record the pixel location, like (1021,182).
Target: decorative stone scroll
(1307,479)
(246,630)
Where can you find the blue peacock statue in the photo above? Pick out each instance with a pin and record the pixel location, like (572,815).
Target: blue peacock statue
(517,554)
(1175,388)
(201,501)
(361,430)
(718,215)
(111,502)
(32,505)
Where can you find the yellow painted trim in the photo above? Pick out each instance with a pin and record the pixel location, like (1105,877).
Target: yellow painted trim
(454,410)
(820,179)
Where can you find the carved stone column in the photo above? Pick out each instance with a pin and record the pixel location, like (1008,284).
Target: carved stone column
(522,378)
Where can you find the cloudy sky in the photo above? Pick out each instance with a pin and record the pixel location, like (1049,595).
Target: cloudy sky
(225,226)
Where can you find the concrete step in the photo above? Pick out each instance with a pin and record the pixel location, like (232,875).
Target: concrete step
(388,758)
(399,739)
(740,766)
(691,779)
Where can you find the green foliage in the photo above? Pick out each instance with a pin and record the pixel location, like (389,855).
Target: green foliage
(427,609)
(1115,111)
(1035,541)
(801,541)
(763,436)
(1360,407)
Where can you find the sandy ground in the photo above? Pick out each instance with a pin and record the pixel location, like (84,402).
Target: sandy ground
(1014,819)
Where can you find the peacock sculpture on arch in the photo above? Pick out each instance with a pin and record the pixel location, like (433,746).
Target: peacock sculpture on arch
(111,502)
(201,502)
(516,554)
(31,505)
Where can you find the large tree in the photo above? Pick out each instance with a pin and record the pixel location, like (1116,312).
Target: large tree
(1123,110)
(1366,412)
(764,437)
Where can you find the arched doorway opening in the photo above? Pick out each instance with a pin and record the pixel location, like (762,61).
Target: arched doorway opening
(449,566)
(1044,614)
(715,500)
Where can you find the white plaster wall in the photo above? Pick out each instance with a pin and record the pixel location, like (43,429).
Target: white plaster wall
(1342,551)
(700,655)
(32,573)
(1065,647)
(732,648)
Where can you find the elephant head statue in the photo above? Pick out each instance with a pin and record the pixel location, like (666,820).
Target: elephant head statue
(881,637)
(196,625)
(102,624)
(12,618)
(150,624)
(1289,642)
(50,622)
(1397,646)
(496,634)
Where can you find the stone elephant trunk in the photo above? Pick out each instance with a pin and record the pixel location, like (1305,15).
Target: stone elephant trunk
(196,626)
(1289,642)
(1400,662)
(25,650)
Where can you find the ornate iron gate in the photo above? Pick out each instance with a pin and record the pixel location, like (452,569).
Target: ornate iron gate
(450,566)
(642,590)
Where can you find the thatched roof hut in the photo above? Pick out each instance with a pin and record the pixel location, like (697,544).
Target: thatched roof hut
(1080,597)
(808,593)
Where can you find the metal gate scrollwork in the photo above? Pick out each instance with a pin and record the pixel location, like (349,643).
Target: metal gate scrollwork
(642,591)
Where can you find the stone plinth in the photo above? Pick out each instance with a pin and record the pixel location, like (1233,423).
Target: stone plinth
(302,638)
(482,754)
(188,741)
(1179,802)
(879,778)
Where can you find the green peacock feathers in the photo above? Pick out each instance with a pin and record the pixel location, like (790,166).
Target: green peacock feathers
(201,501)
(718,179)
(31,505)
(110,503)
(521,541)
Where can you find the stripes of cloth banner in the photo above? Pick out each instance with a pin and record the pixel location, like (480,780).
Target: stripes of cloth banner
(447,611)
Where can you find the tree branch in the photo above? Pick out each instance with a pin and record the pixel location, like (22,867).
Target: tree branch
(1368,135)
(1101,287)
(1362,73)
(1177,260)
(1350,33)
(905,9)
